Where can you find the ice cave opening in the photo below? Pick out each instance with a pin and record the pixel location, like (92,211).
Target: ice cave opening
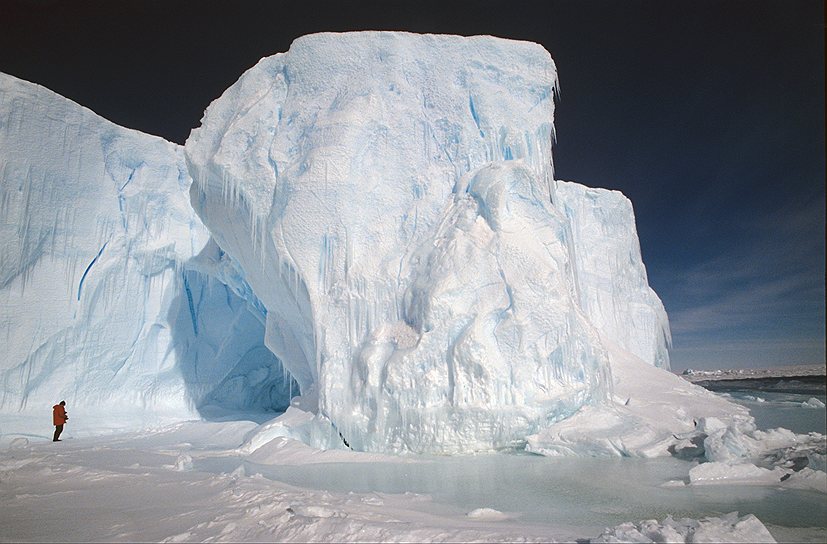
(219,339)
(257,383)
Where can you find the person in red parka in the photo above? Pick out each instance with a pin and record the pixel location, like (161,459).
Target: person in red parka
(59,417)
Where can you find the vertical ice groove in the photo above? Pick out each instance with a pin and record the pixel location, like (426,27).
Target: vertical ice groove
(89,267)
(190,304)
(475,115)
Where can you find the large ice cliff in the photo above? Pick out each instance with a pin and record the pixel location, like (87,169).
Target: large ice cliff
(376,212)
(390,198)
(614,290)
(108,296)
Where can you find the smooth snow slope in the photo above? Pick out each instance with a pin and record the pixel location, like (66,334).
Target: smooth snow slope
(105,297)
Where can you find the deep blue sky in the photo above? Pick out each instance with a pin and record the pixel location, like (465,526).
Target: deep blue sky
(709,115)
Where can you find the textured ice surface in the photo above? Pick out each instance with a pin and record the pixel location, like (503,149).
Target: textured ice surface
(381,214)
(728,528)
(613,288)
(389,198)
(717,472)
(107,296)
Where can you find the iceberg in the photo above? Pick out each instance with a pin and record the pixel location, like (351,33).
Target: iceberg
(390,199)
(109,283)
(613,286)
(364,233)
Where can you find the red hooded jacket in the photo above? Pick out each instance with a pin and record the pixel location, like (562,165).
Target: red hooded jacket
(59,414)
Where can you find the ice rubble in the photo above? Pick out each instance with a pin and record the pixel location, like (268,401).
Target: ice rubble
(728,528)
(108,289)
(380,213)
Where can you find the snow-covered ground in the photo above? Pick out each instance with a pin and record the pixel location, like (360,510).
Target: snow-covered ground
(188,482)
(239,478)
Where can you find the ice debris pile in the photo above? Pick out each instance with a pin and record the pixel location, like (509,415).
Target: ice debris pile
(728,528)
(372,215)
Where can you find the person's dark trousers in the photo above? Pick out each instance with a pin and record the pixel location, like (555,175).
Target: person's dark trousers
(58,430)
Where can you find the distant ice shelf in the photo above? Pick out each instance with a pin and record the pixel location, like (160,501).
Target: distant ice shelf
(790,371)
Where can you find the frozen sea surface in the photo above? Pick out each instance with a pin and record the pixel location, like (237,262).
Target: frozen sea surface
(772,410)
(778,402)
(569,492)
(593,491)
(579,493)
(187,482)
